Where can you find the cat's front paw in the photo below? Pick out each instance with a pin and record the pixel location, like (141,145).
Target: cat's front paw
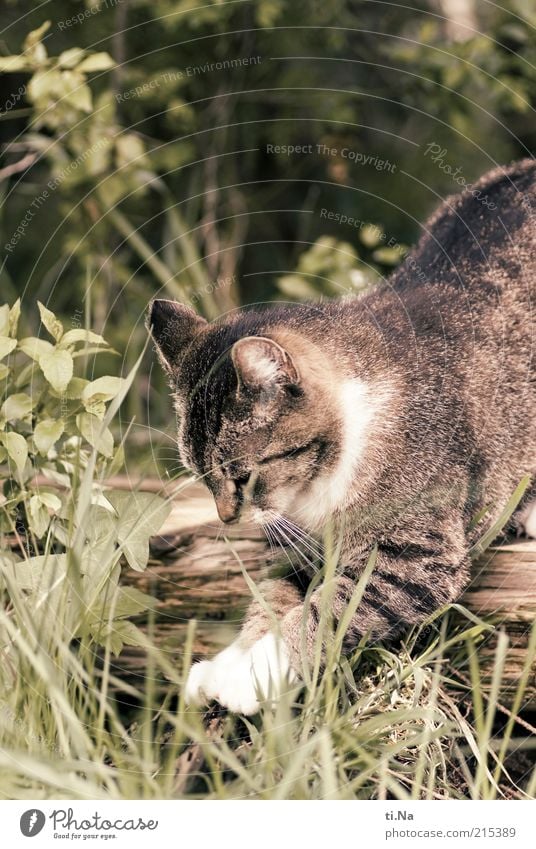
(239,679)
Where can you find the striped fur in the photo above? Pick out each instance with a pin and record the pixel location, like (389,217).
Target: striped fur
(406,411)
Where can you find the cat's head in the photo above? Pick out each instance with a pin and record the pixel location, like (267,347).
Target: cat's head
(263,414)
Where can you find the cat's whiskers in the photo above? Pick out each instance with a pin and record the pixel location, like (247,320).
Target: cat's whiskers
(301,554)
(301,536)
(309,558)
(280,529)
(273,541)
(294,532)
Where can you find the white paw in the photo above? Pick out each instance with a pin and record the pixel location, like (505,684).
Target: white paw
(240,678)
(527,519)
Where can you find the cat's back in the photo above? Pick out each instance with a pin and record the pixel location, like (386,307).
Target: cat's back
(484,236)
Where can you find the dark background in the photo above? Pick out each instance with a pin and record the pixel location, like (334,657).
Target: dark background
(166,181)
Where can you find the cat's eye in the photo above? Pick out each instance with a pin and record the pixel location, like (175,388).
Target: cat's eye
(242,481)
(289,454)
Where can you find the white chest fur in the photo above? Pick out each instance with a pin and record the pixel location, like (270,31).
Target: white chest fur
(332,491)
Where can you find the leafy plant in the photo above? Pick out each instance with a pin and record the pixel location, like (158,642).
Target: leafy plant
(50,418)
(58,86)
(67,531)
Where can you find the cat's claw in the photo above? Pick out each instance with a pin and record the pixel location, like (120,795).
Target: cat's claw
(239,678)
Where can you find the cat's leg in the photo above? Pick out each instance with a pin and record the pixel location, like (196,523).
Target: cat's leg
(257,664)
(409,582)
(417,570)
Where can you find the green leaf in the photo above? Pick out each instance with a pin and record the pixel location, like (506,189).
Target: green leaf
(370,235)
(492,533)
(93,349)
(141,514)
(24,375)
(46,434)
(99,391)
(52,324)
(119,633)
(14,315)
(13,64)
(45,86)
(132,601)
(4,320)
(103,389)
(129,601)
(38,516)
(91,429)
(96,407)
(51,472)
(70,58)
(81,335)
(35,36)
(50,500)
(6,346)
(34,347)
(39,507)
(79,95)
(17,449)
(118,462)
(40,572)
(57,366)
(16,406)
(99,528)
(106,636)
(130,634)
(129,147)
(96,62)
(295,286)
(4,371)
(388,256)
(101,525)
(75,388)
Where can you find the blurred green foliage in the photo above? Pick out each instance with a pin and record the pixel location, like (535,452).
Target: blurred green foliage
(217,152)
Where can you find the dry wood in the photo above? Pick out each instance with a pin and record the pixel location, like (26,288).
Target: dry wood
(196,573)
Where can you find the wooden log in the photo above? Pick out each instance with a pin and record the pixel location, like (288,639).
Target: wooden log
(503,592)
(195,573)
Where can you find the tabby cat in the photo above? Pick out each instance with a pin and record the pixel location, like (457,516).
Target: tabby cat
(409,411)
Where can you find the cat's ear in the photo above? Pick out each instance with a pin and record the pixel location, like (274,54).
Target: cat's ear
(262,364)
(173,327)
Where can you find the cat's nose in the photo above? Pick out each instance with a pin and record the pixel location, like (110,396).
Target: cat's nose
(227,511)
(228,502)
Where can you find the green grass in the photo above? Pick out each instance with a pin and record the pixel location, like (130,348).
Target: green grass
(383,723)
